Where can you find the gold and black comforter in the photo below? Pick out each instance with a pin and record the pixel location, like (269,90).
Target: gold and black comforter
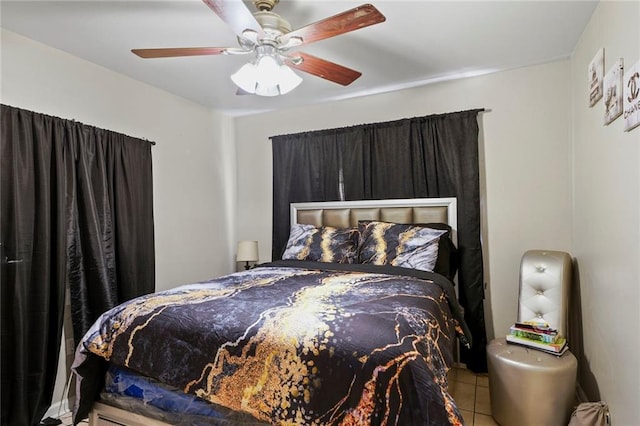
(292,343)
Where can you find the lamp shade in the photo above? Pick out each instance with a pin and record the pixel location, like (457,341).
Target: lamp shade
(266,75)
(247,251)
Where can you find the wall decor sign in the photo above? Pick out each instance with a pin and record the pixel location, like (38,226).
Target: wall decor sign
(596,73)
(612,89)
(631,95)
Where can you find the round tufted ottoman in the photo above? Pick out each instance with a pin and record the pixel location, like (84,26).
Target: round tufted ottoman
(530,387)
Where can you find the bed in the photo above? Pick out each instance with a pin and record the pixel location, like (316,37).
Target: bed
(358,324)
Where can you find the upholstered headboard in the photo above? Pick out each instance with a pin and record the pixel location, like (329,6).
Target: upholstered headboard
(343,214)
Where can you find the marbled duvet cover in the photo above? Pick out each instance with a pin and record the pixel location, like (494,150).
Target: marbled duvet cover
(297,343)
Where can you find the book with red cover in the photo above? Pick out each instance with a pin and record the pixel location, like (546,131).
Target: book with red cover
(536,327)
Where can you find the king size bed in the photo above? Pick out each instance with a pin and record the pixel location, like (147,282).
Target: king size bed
(358,324)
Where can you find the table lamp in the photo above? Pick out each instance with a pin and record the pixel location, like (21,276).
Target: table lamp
(247,252)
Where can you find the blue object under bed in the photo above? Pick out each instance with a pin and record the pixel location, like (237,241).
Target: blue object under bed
(137,390)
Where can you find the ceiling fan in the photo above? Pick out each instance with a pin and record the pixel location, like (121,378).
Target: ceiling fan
(271,39)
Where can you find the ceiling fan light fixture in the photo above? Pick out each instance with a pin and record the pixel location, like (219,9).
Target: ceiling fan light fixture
(245,78)
(271,38)
(266,76)
(289,80)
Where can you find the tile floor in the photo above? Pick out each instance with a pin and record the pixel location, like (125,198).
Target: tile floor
(470,391)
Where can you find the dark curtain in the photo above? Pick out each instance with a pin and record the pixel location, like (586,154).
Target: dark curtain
(77,211)
(433,156)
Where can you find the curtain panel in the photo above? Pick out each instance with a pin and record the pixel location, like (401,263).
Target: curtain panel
(77,211)
(422,157)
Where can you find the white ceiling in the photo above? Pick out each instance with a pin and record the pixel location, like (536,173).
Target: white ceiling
(420,42)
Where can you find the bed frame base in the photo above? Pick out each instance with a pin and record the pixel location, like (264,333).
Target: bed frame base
(106,415)
(339,214)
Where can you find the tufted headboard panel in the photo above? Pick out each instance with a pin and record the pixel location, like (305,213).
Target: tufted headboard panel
(344,214)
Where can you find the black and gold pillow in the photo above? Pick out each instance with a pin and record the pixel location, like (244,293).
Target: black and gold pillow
(408,246)
(322,244)
(447,263)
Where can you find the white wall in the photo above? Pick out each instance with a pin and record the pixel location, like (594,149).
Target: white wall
(555,177)
(193,168)
(606,220)
(525,134)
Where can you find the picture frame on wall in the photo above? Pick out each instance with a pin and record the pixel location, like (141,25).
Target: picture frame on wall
(612,92)
(595,77)
(631,97)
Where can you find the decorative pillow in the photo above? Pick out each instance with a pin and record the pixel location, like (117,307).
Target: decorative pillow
(395,244)
(447,263)
(323,244)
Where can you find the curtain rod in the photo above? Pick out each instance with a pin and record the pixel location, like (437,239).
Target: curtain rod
(477,110)
(73,120)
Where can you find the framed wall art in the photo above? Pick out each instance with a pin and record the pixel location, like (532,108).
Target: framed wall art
(596,74)
(612,92)
(631,97)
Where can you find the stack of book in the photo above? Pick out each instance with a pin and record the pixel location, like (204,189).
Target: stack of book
(537,336)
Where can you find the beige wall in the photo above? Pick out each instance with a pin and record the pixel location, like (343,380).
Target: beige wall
(193,168)
(554,178)
(606,220)
(525,133)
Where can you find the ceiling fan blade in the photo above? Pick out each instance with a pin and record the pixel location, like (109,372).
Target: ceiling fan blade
(179,51)
(236,15)
(325,69)
(350,20)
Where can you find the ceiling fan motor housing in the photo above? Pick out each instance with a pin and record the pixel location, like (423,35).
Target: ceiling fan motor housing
(272,23)
(265,4)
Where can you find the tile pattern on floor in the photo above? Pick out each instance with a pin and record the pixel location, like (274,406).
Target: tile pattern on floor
(469,390)
(471,393)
